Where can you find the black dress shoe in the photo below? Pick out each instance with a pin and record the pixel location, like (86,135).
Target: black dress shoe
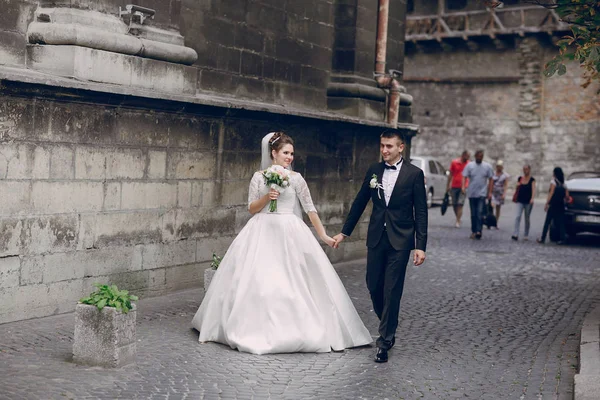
(381,356)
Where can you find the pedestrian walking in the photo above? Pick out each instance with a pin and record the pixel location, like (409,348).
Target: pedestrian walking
(479,174)
(524,197)
(555,206)
(398,225)
(454,186)
(499,186)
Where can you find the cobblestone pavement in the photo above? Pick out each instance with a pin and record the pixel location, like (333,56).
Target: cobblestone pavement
(489,319)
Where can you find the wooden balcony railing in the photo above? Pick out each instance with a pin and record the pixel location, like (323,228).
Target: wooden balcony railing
(490,22)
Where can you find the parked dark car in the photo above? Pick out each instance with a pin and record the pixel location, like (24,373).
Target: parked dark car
(583,207)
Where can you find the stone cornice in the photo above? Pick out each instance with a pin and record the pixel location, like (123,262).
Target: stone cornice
(227,104)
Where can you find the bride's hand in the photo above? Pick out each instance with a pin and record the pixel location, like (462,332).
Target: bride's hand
(273,194)
(328,240)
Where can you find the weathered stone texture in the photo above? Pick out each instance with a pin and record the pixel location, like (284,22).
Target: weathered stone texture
(530,68)
(117,168)
(104,338)
(147,204)
(209,273)
(270,51)
(498,99)
(276,52)
(14,18)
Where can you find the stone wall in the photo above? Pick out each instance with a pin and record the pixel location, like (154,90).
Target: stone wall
(495,97)
(134,170)
(570,119)
(277,52)
(14,19)
(97,192)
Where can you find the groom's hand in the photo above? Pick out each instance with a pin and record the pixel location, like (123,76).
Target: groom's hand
(419,257)
(339,238)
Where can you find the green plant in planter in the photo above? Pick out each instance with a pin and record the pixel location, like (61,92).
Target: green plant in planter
(110,296)
(216,261)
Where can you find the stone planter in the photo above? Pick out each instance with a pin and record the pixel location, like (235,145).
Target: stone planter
(104,338)
(208,275)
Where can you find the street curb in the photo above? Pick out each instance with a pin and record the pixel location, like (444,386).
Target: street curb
(587,381)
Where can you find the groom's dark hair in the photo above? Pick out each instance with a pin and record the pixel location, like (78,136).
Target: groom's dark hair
(392,134)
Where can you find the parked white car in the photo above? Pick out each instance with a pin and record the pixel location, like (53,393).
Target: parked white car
(436,178)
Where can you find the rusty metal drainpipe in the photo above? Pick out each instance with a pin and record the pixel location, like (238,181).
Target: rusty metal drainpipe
(387,81)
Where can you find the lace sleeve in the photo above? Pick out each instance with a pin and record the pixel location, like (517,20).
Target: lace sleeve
(254,191)
(304,194)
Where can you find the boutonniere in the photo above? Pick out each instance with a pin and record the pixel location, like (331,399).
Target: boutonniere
(374,184)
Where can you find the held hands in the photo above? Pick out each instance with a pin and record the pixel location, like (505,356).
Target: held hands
(339,238)
(419,257)
(329,241)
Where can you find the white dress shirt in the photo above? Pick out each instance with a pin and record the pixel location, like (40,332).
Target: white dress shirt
(388,181)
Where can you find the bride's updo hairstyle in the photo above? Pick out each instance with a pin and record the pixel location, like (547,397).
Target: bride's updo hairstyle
(278,140)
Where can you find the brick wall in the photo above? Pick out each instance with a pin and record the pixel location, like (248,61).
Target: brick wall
(274,51)
(141,198)
(278,52)
(15,15)
(571,121)
(110,181)
(497,99)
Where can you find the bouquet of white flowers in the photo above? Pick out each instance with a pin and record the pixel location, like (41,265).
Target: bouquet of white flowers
(278,178)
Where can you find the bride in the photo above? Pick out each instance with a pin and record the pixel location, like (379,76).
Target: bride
(275,290)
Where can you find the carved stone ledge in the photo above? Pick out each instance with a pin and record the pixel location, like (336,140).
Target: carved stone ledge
(93,65)
(92,29)
(94,46)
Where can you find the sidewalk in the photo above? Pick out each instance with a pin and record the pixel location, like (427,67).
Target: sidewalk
(36,363)
(587,381)
(492,319)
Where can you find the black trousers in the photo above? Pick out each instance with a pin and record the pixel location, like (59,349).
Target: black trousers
(386,270)
(556,214)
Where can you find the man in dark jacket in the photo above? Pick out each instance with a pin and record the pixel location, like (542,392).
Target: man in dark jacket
(397,226)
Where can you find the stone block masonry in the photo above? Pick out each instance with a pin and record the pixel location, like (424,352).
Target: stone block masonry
(498,99)
(132,167)
(142,198)
(104,338)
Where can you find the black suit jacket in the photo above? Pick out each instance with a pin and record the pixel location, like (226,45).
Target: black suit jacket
(405,217)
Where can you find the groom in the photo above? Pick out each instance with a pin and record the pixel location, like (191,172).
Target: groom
(398,225)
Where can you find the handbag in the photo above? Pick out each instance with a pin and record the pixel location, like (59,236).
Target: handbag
(445,203)
(489,219)
(516,195)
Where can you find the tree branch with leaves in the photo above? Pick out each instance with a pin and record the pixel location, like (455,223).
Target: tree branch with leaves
(582,45)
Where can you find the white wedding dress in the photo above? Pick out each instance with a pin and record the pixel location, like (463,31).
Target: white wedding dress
(275,290)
